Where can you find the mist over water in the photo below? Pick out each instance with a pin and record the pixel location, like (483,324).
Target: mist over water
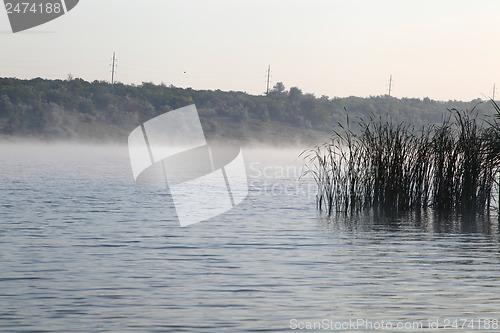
(84,249)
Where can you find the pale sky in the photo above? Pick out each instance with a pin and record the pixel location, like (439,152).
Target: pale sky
(442,49)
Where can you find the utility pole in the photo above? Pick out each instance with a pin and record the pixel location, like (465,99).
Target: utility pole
(494,89)
(390,85)
(268,77)
(113,69)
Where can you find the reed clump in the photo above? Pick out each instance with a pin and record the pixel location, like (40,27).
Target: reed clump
(391,166)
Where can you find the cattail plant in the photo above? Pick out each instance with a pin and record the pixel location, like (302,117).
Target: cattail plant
(451,166)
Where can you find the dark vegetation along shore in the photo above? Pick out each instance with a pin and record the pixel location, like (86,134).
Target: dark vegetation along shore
(97,111)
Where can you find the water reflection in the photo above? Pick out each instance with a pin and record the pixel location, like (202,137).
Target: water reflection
(424,220)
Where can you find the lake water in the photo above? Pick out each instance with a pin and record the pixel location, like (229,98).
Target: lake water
(83,249)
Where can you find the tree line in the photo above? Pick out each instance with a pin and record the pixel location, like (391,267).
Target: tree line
(75,108)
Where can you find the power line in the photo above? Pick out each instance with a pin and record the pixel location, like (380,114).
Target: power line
(390,85)
(113,71)
(268,78)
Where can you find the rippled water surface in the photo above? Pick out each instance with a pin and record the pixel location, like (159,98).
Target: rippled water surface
(83,249)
